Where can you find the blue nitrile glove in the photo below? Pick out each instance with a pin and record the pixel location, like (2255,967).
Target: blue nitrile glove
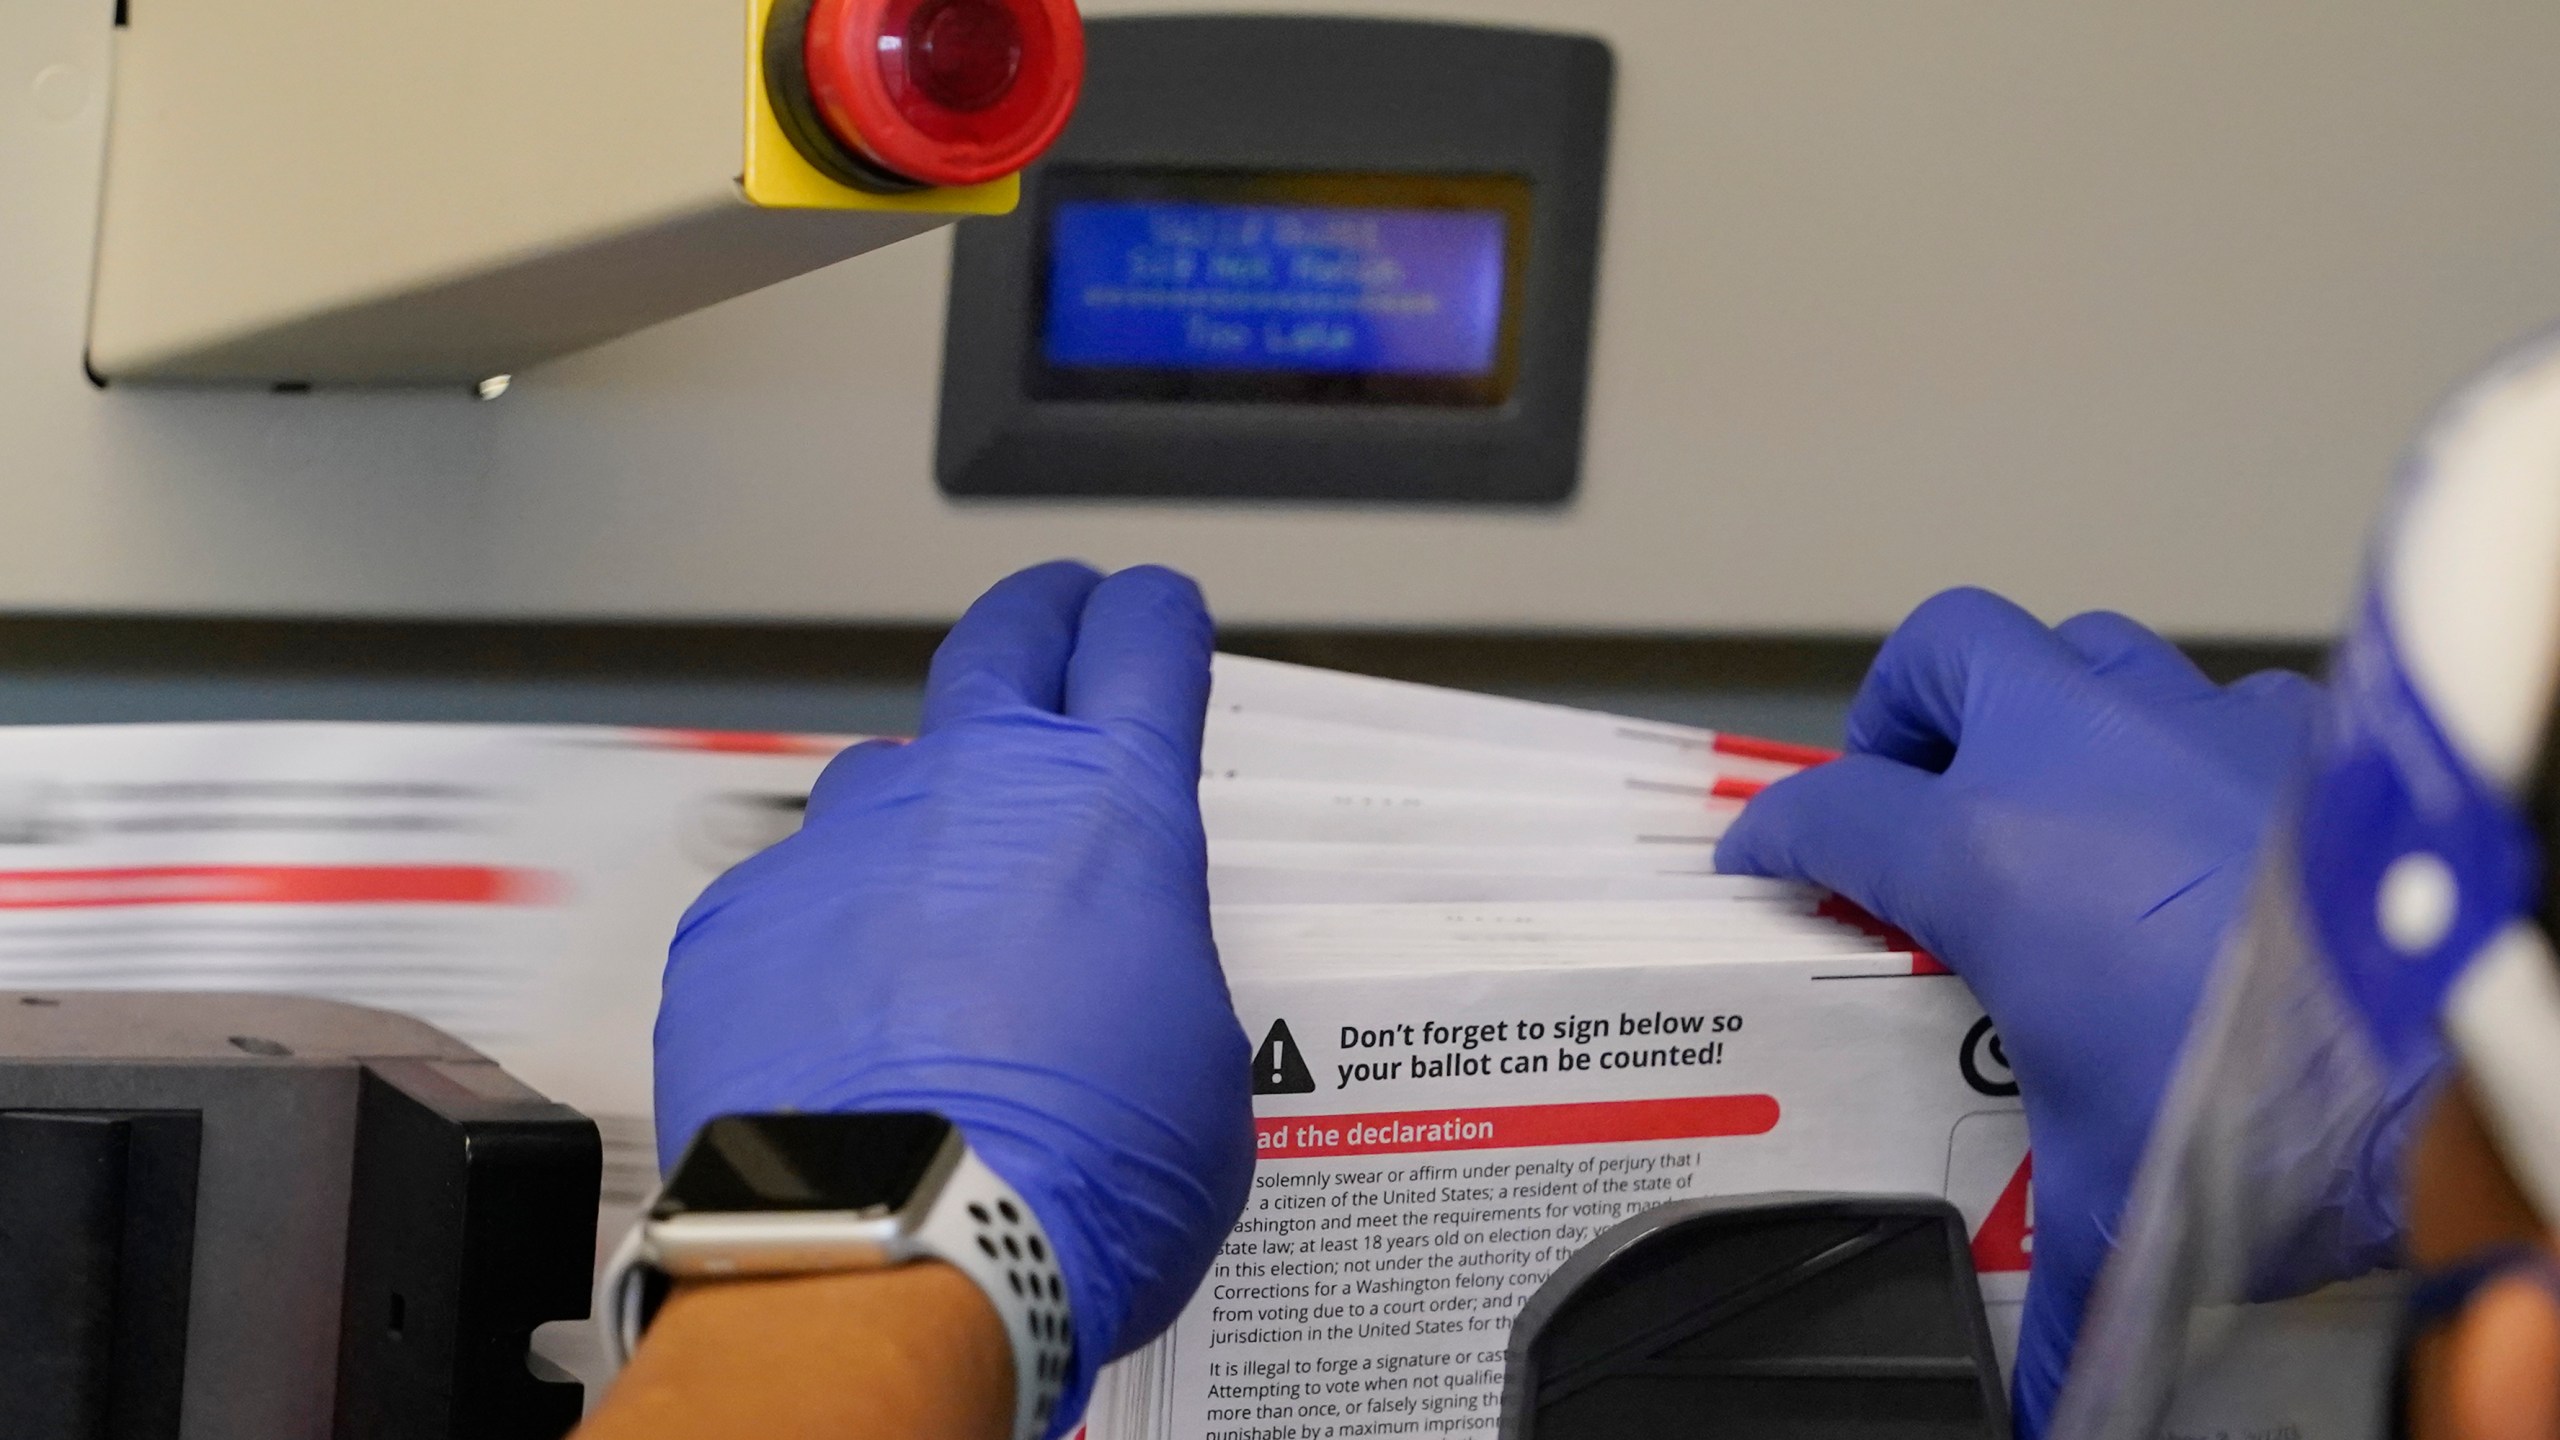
(2067,817)
(1006,922)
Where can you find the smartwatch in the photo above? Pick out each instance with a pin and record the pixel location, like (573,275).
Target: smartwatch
(800,1194)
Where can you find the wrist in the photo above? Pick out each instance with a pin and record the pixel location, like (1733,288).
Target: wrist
(916,1350)
(797,1194)
(1135,1199)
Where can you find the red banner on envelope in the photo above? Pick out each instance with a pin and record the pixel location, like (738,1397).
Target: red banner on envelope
(1509,1127)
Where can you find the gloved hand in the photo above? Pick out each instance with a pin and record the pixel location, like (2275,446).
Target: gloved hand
(2066,817)
(1006,921)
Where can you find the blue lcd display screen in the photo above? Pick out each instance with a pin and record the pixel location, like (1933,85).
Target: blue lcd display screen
(1312,290)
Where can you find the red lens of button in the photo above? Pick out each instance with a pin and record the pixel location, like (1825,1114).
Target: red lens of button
(949,92)
(963,54)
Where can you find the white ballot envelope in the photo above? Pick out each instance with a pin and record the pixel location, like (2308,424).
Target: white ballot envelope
(1249,745)
(1245,687)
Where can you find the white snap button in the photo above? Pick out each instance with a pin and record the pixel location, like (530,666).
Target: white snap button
(2417,902)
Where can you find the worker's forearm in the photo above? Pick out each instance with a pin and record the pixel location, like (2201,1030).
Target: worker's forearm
(914,1353)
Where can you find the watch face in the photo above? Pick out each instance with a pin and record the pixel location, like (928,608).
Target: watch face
(864,1163)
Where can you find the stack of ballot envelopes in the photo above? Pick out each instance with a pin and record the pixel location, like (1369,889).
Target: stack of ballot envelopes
(1500,1000)
(1498,997)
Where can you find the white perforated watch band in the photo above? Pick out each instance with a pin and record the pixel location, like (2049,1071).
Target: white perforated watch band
(979,1225)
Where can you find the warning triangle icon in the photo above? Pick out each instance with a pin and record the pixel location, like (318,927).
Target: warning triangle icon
(1278,1068)
(2007,1239)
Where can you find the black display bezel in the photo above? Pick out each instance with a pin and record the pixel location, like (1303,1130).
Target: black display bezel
(1511,196)
(868,1164)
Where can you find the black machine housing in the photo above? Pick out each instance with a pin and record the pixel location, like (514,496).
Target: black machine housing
(1773,1317)
(237,1217)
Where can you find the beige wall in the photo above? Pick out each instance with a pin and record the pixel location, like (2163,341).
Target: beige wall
(2123,303)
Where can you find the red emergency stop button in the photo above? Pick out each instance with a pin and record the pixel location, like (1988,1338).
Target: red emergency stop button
(899,94)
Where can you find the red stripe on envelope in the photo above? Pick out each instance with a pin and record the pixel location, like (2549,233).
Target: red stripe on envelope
(744,742)
(1837,909)
(272,885)
(1734,787)
(1509,1127)
(1752,747)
